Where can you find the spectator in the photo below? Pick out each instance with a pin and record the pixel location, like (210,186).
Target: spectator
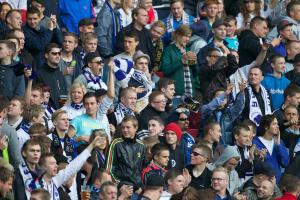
(153,188)
(125,12)
(269,138)
(178,63)
(40,194)
(11,84)
(249,10)
(126,169)
(231,36)
(110,26)
(175,19)
(37,39)
(200,174)
(4,8)
(265,190)
(276,83)
(62,145)
(152,14)
(98,178)
(157,30)
(71,12)
(74,106)
(294,75)
(167,86)
(292,49)
(88,45)
(211,10)
(86,25)
(109,191)
(15,112)
(257,99)
(139,21)
(156,107)
(13,20)
(175,182)
(290,187)
(50,75)
(125,107)
(131,41)
(155,129)
(6,181)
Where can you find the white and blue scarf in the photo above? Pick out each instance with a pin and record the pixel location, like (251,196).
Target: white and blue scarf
(94,82)
(121,111)
(76,106)
(170,21)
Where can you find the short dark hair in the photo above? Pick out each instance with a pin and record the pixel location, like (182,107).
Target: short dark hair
(132,34)
(257,20)
(274,58)
(33,10)
(51,46)
(6,174)
(238,128)
(291,6)
(291,91)
(4,4)
(30,142)
(175,1)
(172,174)
(135,12)
(44,156)
(158,148)
(209,125)
(44,194)
(230,18)
(89,95)
(98,174)
(164,82)
(66,34)
(289,183)
(158,119)
(9,13)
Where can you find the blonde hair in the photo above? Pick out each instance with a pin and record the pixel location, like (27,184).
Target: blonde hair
(183,30)
(73,87)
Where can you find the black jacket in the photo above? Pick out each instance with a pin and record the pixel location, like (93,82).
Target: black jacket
(148,113)
(125,161)
(53,78)
(294,77)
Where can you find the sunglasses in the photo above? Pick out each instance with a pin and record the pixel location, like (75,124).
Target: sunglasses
(194,153)
(55,53)
(98,62)
(183,119)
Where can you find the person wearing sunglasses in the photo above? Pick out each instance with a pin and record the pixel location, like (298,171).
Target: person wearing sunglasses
(201,176)
(50,75)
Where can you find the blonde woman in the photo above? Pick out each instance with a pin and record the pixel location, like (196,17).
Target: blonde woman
(125,12)
(74,106)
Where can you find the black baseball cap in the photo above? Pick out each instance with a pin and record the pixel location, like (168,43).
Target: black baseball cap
(219,22)
(87,22)
(90,56)
(263,168)
(283,23)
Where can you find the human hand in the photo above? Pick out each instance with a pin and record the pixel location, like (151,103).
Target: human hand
(140,89)
(27,72)
(276,41)
(187,177)
(112,129)
(111,64)
(68,70)
(229,88)
(126,191)
(242,85)
(3,142)
(240,196)
(54,20)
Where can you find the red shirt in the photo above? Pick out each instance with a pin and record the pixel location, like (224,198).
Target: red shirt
(287,196)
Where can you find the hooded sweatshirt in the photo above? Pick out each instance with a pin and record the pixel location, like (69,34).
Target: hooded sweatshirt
(228,153)
(276,86)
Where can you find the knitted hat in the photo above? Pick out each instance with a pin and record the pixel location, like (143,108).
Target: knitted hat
(175,128)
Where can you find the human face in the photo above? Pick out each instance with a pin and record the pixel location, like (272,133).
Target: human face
(4,11)
(33,20)
(46,97)
(274,128)
(169,91)
(294,100)
(177,10)
(62,122)
(212,10)
(231,164)
(39,118)
(5,187)
(255,76)
(183,40)
(130,44)
(32,154)
(147,4)
(287,32)
(90,45)
(244,138)
(142,64)
(16,41)
(176,185)
(50,166)
(128,129)
(293,50)
(159,103)
(77,95)
(219,181)
(69,44)
(265,190)
(142,17)
(15,20)
(295,13)
(36,97)
(154,127)
(129,100)
(213,57)
(279,65)
(14,109)
(87,29)
(250,6)
(261,29)
(231,28)
(96,65)
(216,133)
(53,57)
(21,37)
(109,193)
(103,143)
(198,157)
(91,105)
(183,121)
(220,32)
(220,6)
(156,33)
(291,114)
(171,137)
(4,51)
(162,159)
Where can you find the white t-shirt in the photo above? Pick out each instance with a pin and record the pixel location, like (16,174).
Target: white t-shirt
(269,144)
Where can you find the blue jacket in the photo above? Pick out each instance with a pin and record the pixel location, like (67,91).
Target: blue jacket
(276,89)
(72,11)
(279,157)
(109,26)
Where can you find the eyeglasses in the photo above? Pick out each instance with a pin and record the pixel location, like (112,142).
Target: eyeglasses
(194,153)
(217,179)
(162,101)
(55,53)
(183,119)
(100,62)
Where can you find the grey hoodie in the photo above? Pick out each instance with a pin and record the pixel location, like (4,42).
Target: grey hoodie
(296,29)
(228,153)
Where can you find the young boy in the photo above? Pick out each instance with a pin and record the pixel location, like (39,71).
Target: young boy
(160,158)
(6,181)
(276,83)
(231,37)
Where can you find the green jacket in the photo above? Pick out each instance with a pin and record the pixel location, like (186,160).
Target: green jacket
(171,66)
